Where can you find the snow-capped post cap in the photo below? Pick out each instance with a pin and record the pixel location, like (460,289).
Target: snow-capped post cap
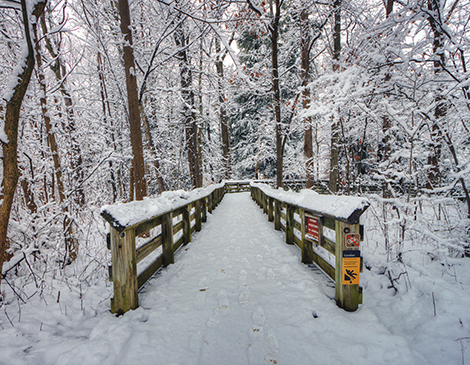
(347,209)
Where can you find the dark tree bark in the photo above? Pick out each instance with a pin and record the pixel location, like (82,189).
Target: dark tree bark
(440,110)
(305,77)
(334,154)
(60,72)
(224,123)
(12,116)
(274,29)
(133,103)
(385,148)
(190,120)
(71,244)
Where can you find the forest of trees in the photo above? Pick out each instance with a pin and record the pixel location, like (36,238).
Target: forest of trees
(111,101)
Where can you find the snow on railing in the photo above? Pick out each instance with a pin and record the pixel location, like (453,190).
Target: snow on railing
(139,229)
(328,233)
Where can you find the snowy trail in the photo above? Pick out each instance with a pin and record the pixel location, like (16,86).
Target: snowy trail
(237,294)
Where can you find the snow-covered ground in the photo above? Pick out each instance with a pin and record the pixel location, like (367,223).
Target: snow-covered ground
(238,294)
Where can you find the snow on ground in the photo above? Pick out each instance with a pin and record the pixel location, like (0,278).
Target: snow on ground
(238,294)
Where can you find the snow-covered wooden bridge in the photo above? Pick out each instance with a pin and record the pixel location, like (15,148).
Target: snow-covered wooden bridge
(238,294)
(170,220)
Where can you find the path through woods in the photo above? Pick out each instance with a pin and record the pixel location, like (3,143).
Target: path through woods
(237,294)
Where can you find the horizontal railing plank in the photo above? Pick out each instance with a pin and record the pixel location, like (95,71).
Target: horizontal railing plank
(149,271)
(148,247)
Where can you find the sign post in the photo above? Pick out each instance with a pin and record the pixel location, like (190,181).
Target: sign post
(348,266)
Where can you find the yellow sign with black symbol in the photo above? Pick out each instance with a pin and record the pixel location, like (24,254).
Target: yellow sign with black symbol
(351,267)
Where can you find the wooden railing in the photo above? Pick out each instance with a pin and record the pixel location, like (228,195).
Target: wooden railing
(144,236)
(168,229)
(321,234)
(237,186)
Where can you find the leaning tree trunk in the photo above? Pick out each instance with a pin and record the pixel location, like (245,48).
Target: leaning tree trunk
(71,244)
(76,161)
(11,122)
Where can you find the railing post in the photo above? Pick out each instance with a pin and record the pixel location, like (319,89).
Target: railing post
(289,224)
(210,199)
(204,209)
(124,268)
(277,215)
(307,245)
(347,291)
(167,239)
(270,209)
(197,205)
(187,224)
(265,203)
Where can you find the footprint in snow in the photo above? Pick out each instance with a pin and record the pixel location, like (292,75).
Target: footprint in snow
(243,297)
(223,307)
(246,264)
(212,322)
(270,275)
(258,316)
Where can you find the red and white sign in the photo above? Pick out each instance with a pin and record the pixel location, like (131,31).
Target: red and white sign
(311,231)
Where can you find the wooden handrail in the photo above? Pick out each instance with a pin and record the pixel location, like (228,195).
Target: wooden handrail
(159,227)
(338,214)
(164,225)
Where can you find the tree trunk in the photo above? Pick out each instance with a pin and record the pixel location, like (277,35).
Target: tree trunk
(71,244)
(190,121)
(106,111)
(274,29)
(385,148)
(152,150)
(334,154)
(133,103)
(305,77)
(440,111)
(60,72)
(224,123)
(10,143)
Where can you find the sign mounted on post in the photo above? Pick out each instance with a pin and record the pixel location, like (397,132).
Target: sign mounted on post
(351,267)
(312,228)
(351,240)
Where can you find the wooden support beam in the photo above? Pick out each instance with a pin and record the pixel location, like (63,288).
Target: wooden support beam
(289,224)
(197,205)
(265,203)
(123,257)
(204,209)
(270,209)
(307,245)
(210,203)
(346,296)
(277,215)
(187,224)
(167,236)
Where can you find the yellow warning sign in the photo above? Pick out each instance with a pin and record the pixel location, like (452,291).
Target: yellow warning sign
(351,269)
